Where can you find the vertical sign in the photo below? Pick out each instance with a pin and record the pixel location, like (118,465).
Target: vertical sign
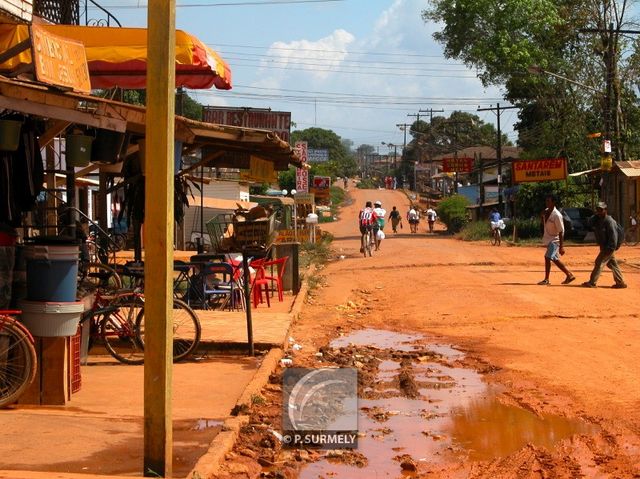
(302,174)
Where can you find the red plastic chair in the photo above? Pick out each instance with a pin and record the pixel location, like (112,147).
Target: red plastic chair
(280,264)
(259,284)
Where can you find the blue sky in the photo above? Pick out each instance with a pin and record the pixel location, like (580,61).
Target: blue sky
(357,67)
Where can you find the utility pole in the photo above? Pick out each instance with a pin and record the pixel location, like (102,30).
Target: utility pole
(498,110)
(431,111)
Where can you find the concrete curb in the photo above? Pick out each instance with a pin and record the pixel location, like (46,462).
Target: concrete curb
(269,364)
(209,464)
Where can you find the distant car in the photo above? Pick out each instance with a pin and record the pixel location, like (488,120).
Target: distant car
(576,222)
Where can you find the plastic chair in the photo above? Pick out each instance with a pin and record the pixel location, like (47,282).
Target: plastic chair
(259,284)
(280,264)
(217,280)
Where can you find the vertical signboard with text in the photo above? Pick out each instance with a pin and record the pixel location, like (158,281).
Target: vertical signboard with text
(302,174)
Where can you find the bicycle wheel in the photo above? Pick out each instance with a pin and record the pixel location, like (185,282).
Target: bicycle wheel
(631,238)
(118,330)
(186,329)
(495,240)
(100,276)
(367,244)
(17,360)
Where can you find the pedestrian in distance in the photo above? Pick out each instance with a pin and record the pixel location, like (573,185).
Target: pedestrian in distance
(553,239)
(396,219)
(607,235)
(431,218)
(413,217)
(381,213)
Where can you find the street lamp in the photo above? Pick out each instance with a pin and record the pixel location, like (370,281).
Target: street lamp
(395,153)
(536,70)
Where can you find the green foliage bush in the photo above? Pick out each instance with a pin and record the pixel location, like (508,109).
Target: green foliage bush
(475,231)
(525,228)
(452,211)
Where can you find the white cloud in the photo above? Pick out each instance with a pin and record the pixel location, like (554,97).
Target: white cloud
(314,56)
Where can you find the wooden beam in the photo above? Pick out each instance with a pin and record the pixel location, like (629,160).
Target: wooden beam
(61,112)
(208,159)
(54,129)
(159,228)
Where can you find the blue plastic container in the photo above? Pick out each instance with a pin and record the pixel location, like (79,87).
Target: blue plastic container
(52,273)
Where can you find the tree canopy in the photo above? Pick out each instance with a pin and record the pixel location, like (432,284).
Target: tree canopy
(594,68)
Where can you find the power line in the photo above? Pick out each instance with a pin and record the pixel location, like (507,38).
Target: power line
(220,4)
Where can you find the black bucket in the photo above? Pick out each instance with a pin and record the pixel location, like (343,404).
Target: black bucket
(107,146)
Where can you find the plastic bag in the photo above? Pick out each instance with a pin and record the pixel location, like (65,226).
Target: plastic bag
(380,235)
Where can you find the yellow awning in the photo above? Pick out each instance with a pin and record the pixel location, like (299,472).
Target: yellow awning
(118,56)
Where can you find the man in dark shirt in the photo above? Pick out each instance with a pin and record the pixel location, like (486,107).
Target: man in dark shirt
(604,227)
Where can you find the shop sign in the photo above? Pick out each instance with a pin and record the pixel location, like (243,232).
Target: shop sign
(302,174)
(304,198)
(317,155)
(259,170)
(460,165)
(321,182)
(548,169)
(277,121)
(59,61)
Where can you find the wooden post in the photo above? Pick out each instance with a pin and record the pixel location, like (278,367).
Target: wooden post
(159,225)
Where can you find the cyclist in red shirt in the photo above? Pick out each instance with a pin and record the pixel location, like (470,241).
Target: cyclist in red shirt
(367,220)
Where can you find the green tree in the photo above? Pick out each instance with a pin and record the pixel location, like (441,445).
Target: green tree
(502,40)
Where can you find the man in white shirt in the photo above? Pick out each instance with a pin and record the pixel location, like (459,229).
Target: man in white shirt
(431,218)
(380,213)
(553,239)
(413,218)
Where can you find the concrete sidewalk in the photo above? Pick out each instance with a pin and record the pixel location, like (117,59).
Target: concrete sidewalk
(100,432)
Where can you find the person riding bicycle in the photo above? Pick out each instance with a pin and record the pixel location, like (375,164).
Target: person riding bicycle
(495,220)
(380,213)
(367,221)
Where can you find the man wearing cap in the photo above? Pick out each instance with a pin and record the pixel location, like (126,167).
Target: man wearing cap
(380,213)
(604,227)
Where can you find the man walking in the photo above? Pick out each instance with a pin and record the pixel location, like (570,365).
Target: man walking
(605,229)
(553,239)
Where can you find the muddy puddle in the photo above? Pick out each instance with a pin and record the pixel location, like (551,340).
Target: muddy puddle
(419,408)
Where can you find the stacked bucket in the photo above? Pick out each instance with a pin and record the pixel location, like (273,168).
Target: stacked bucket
(51,309)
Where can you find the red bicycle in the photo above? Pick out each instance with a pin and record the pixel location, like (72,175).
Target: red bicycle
(18,361)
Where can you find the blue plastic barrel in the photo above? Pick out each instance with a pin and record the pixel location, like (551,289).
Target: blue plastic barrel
(52,273)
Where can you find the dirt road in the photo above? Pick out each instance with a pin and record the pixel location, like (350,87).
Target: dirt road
(516,380)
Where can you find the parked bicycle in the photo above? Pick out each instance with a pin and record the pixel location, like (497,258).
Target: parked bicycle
(118,322)
(18,361)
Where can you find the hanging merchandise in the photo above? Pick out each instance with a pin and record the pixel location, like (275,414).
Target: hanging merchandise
(78,149)
(107,146)
(21,174)
(9,134)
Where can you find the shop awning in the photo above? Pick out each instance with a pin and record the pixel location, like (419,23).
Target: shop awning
(220,203)
(630,169)
(118,56)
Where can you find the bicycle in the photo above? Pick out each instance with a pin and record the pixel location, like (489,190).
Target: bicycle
(18,360)
(118,321)
(496,236)
(365,242)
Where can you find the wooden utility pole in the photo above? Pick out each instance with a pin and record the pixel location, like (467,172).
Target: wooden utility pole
(498,110)
(431,111)
(158,265)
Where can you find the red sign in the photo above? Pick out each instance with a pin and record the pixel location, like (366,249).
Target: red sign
(460,165)
(322,182)
(276,121)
